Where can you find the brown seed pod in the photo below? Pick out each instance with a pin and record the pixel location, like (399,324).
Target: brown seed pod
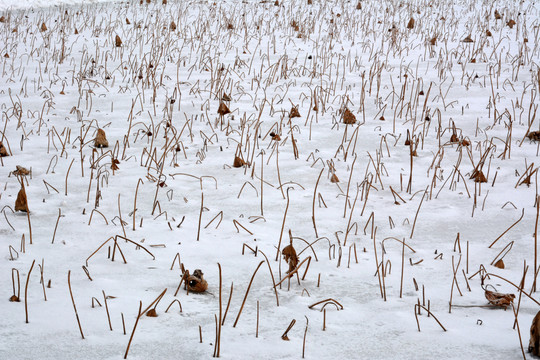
(534,341)
(410,24)
(223,109)
(499,264)
(2,19)
(21,204)
(359,6)
(468,39)
(118,41)
(225,97)
(511,23)
(275,136)
(348,117)
(479,177)
(289,254)
(151,313)
(238,162)
(101,139)
(172,26)
(334,178)
(21,171)
(43,27)
(14,298)
(534,135)
(488,33)
(382,118)
(3,150)
(497,15)
(196,282)
(294,112)
(433,41)
(454,138)
(408,139)
(128,22)
(114,164)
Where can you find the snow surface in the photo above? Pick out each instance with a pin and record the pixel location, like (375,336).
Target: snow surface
(59,85)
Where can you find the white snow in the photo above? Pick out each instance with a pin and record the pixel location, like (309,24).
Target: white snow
(156,97)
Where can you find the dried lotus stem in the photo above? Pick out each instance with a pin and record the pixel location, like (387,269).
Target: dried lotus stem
(247,292)
(73,301)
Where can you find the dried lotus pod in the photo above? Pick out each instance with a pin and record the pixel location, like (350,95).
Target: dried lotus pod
(172,26)
(3,150)
(408,139)
(21,171)
(534,341)
(196,282)
(225,97)
(488,33)
(14,298)
(497,15)
(289,254)
(114,164)
(499,299)
(294,112)
(334,178)
(468,39)
(2,19)
(101,139)
(43,27)
(348,117)
(275,136)
(118,41)
(238,162)
(151,313)
(223,109)
(511,23)
(534,135)
(499,264)
(479,176)
(21,204)
(454,138)
(358,5)
(433,41)
(128,22)
(410,24)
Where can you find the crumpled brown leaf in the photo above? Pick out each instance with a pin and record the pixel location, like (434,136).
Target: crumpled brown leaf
(499,299)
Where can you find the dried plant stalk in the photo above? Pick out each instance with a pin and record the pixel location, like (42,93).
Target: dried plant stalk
(26,291)
(73,301)
(247,292)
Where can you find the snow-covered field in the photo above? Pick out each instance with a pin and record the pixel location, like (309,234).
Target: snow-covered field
(380,227)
